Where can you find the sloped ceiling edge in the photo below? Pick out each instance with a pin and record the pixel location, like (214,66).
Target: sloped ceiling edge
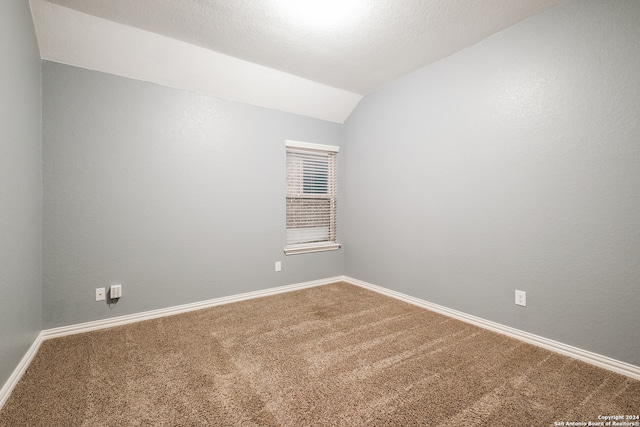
(75,38)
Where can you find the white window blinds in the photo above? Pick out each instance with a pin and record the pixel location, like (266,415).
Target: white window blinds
(311,197)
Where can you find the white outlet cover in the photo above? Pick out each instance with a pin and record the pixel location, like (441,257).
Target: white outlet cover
(278,266)
(115,291)
(521,298)
(100,294)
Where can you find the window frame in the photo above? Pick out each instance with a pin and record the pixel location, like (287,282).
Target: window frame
(311,148)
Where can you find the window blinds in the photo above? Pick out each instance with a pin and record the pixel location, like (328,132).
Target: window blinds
(311,196)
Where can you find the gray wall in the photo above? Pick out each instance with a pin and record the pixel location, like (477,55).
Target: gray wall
(178,196)
(20,185)
(514,164)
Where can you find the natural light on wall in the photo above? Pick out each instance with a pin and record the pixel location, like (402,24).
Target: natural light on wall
(321,14)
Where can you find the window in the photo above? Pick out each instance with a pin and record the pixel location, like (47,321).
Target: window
(311,197)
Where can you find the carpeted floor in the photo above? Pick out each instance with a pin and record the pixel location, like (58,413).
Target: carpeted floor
(335,355)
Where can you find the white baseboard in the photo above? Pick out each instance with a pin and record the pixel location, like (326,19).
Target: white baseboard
(7,388)
(567,350)
(169,311)
(558,347)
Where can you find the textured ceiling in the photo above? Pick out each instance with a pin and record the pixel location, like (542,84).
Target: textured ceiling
(358,46)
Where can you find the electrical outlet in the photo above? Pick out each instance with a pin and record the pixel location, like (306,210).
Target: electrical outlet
(115,291)
(278,266)
(521,298)
(100,294)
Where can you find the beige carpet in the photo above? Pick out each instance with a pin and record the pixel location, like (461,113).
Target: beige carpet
(334,355)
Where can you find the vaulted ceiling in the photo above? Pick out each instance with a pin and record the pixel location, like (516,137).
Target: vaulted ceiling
(310,57)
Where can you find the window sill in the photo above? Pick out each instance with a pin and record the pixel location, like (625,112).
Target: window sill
(311,247)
